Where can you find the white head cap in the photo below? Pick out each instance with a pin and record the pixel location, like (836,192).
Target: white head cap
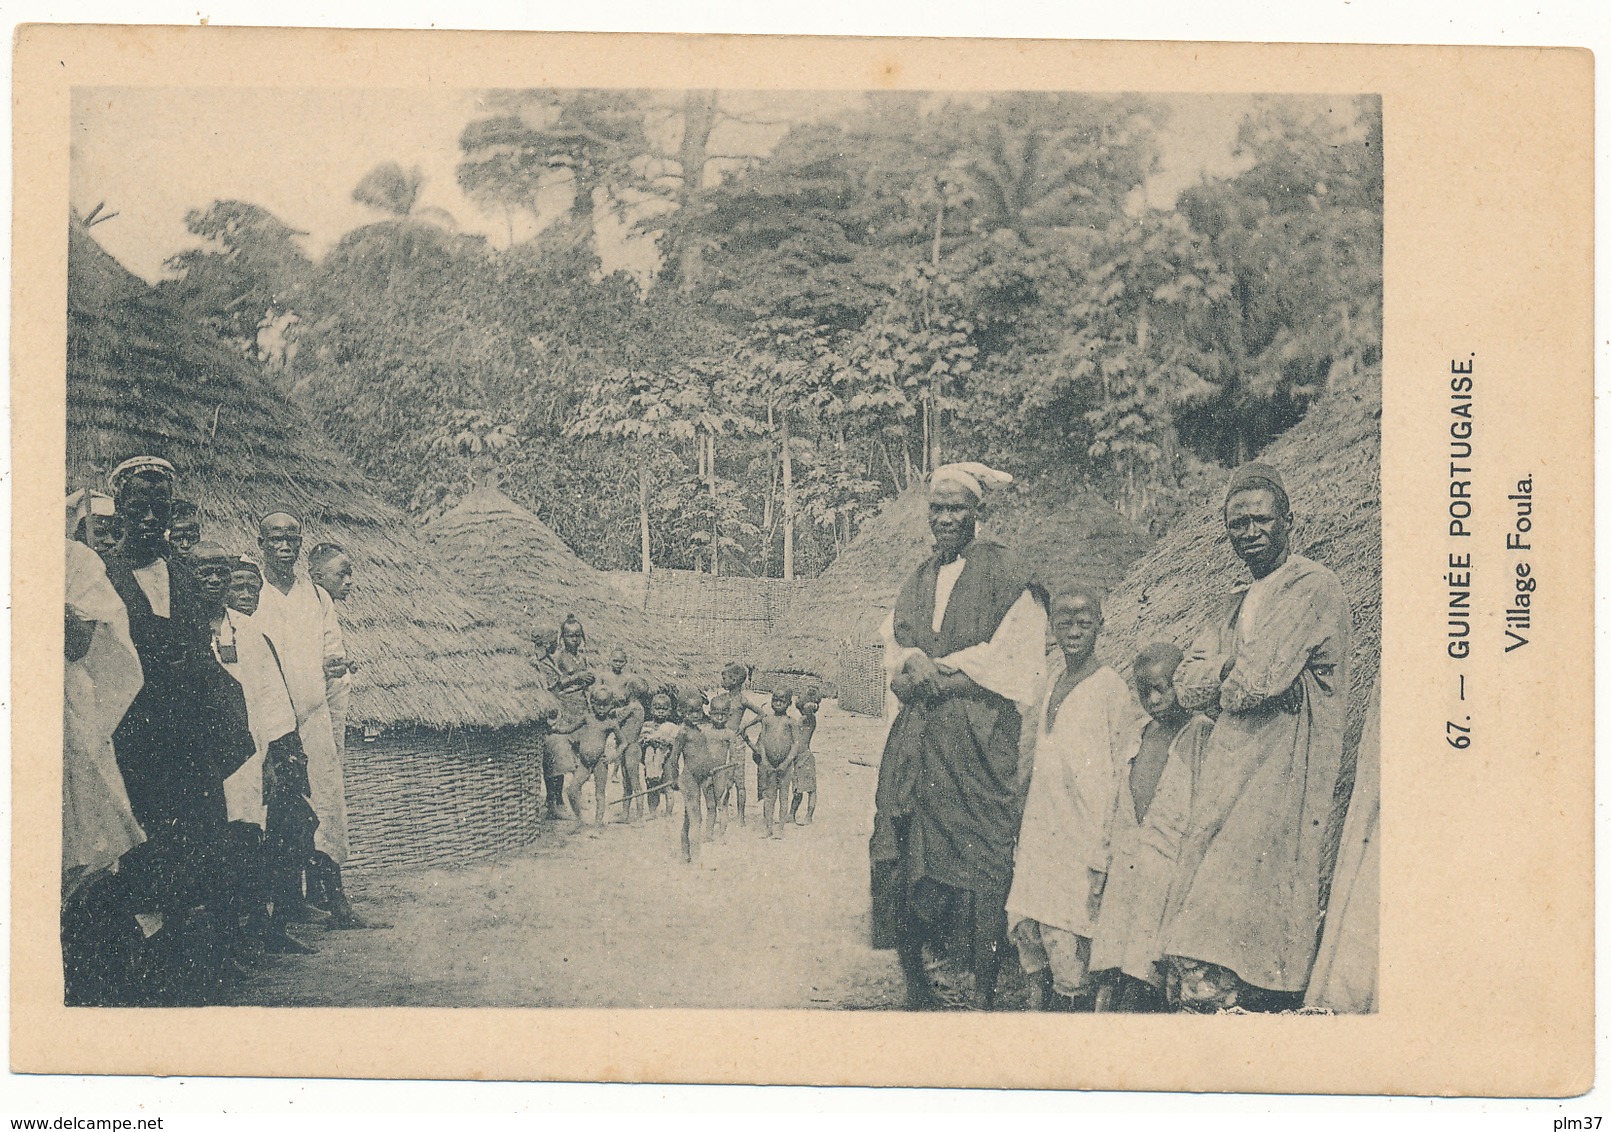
(972,476)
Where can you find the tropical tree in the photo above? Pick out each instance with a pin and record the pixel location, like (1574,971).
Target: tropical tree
(249,268)
(1300,233)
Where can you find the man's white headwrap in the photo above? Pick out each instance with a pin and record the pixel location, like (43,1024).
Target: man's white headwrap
(86,502)
(140,466)
(972,476)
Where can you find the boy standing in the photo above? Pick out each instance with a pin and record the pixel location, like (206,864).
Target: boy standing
(1086,724)
(659,734)
(701,755)
(746,714)
(1154,799)
(588,739)
(780,739)
(803,776)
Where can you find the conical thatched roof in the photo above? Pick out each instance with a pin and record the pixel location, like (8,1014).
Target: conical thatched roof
(1331,461)
(143,379)
(1065,539)
(521,570)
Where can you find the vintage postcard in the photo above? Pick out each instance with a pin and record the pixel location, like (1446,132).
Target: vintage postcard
(892,562)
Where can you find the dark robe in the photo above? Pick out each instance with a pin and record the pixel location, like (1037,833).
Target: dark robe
(186,730)
(948,804)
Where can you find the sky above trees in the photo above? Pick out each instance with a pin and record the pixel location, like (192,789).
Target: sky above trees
(153,154)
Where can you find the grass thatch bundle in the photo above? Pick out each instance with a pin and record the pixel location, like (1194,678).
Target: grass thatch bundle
(1064,538)
(514,564)
(142,379)
(1331,461)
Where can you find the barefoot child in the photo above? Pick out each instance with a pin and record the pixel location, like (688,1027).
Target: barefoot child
(1155,787)
(723,713)
(780,740)
(803,776)
(1085,726)
(628,696)
(747,715)
(700,754)
(658,735)
(588,740)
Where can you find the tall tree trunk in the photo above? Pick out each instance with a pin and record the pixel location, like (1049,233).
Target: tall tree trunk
(643,512)
(933,422)
(698,118)
(928,441)
(788,496)
(715,517)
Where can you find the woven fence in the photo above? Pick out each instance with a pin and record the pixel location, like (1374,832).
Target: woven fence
(715,620)
(427,798)
(860,680)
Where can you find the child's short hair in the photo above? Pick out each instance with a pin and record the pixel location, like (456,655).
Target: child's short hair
(324,552)
(735,670)
(1161,656)
(721,701)
(183,509)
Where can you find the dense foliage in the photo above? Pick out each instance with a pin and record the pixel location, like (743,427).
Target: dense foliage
(831,310)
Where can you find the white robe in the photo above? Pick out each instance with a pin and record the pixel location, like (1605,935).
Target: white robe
(1012,663)
(98,825)
(1068,816)
(302,624)
(269,712)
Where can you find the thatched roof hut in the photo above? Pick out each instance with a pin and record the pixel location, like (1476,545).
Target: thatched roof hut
(1065,538)
(143,379)
(526,574)
(1331,461)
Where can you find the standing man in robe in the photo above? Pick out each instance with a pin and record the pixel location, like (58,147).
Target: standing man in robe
(102,678)
(300,620)
(966,650)
(1274,665)
(171,739)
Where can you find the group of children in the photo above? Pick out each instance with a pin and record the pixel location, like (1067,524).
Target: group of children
(670,741)
(1117,765)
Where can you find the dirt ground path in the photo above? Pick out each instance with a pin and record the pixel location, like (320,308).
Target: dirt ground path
(611,917)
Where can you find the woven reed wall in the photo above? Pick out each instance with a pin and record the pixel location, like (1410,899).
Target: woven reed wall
(859,678)
(715,620)
(420,798)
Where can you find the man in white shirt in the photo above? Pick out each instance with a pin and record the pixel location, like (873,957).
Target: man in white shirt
(300,619)
(247,655)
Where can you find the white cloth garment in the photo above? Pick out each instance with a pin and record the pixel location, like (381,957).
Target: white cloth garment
(1247,619)
(153,579)
(98,825)
(269,712)
(1012,663)
(945,580)
(1068,815)
(302,626)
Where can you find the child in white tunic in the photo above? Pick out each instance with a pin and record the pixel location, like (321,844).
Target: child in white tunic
(1149,823)
(1086,724)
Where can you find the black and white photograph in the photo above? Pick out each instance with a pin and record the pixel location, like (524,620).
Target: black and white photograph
(723,548)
